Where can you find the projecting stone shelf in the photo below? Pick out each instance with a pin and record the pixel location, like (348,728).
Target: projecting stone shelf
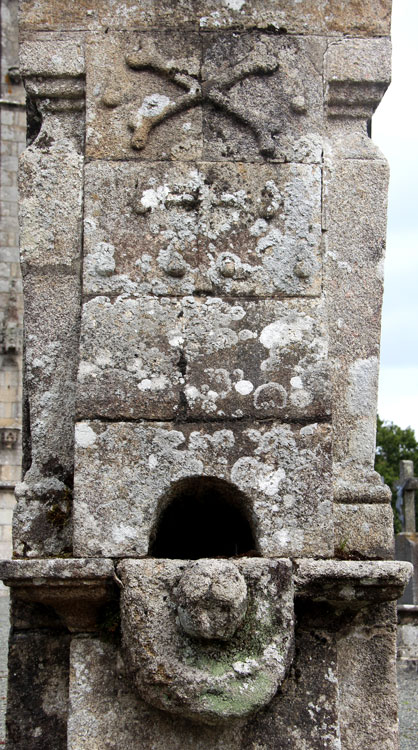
(94,580)
(75,588)
(351,582)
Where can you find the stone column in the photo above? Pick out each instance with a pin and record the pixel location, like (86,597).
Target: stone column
(406,548)
(202,264)
(13,138)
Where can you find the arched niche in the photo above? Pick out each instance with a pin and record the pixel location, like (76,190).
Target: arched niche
(203,517)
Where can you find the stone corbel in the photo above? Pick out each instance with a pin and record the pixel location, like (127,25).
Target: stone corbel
(76,589)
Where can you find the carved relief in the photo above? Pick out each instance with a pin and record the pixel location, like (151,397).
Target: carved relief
(226,673)
(168,229)
(260,61)
(163,94)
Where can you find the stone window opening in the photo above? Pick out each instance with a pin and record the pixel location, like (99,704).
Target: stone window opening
(203,517)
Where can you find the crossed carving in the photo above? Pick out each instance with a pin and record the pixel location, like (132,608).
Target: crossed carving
(154,110)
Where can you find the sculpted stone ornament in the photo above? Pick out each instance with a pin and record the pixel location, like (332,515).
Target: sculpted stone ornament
(212,599)
(155,108)
(211,640)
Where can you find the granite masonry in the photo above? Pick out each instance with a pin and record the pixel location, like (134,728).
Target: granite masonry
(202,550)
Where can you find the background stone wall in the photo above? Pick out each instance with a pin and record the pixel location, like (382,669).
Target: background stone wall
(13,138)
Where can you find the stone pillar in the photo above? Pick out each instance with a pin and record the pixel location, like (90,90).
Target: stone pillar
(406,548)
(204,548)
(12,138)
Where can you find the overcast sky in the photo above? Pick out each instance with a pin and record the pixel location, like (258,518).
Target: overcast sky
(395,130)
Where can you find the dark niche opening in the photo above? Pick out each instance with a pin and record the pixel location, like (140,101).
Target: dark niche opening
(202,517)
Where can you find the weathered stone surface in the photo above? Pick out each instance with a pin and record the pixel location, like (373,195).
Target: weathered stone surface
(304,713)
(51,201)
(42,520)
(350,581)
(363,530)
(367,658)
(358,73)
(235,229)
(78,592)
(128,469)
(368,17)
(51,57)
(275,114)
(353,265)
(141,228)
(130,358)
(160,96)
(57,570)
(52,309)
(203,357)
(213,681)
(122,101)
(104,706)
(231,274)
(37,700)
(259,358)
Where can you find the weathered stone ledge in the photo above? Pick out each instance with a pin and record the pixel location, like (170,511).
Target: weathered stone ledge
(351,581)
(56,570)
(320,580)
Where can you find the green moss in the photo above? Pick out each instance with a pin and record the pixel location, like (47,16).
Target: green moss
(239,701)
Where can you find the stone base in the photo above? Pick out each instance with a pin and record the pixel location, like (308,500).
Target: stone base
(339,694)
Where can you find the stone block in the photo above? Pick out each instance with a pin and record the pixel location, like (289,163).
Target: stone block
(56,239)
(281,473)
(37,693)
(42,519)
(130,358)
(159,96)
(236,229)
(304,713)
(51,57)
(202,357)
(106,708)
(333,16)
(355,223)
(367,680)
(266,104)
(242,610)
(363,530)
(141,228)
(57,571)
(259,358)
(358,73)
(359,60)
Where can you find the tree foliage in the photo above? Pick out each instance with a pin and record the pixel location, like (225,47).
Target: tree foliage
(392,445)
